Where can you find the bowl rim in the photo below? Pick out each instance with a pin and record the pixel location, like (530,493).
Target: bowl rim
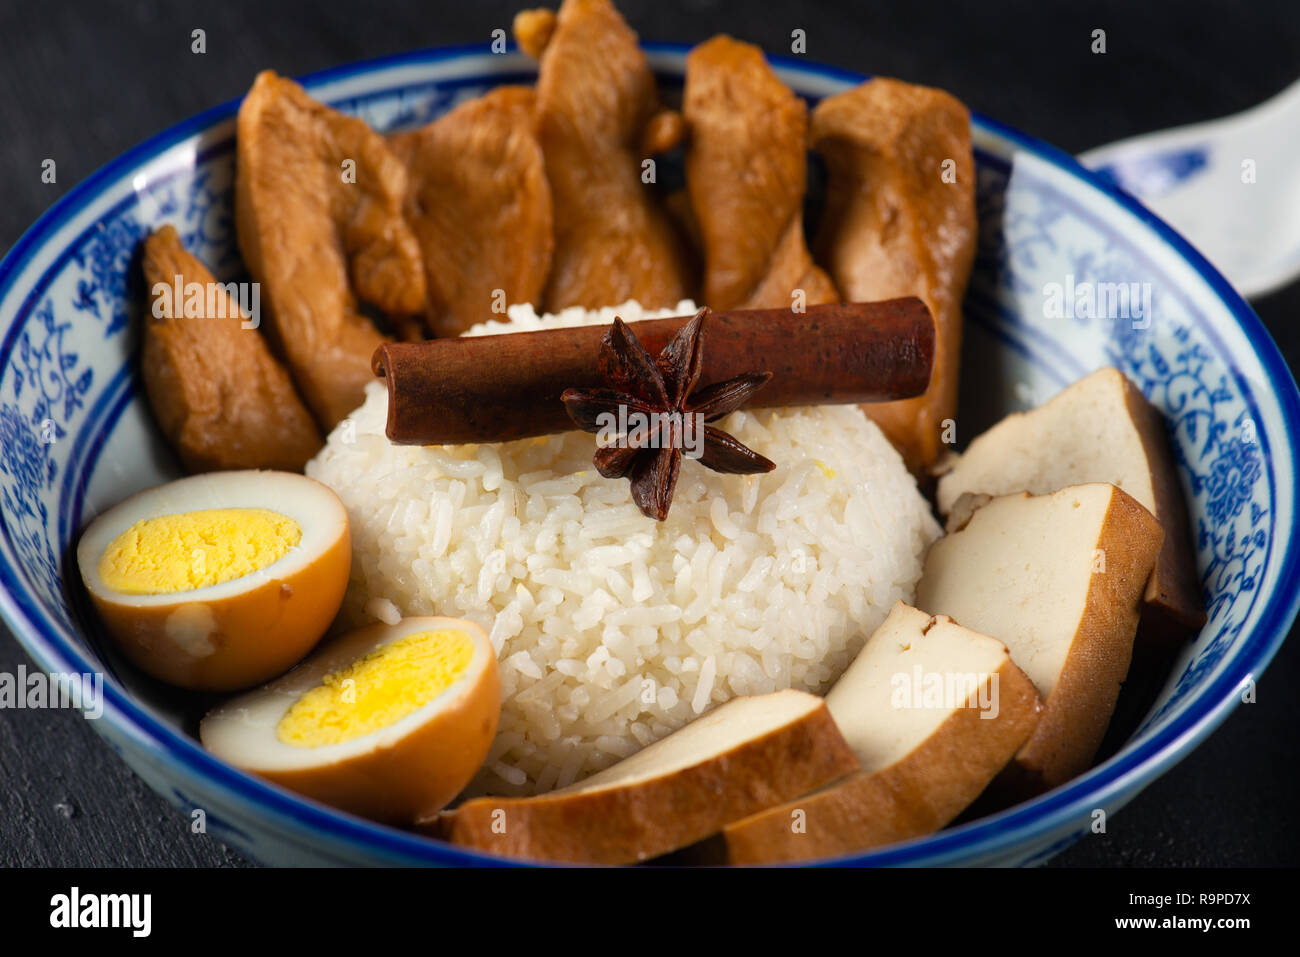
(322,828)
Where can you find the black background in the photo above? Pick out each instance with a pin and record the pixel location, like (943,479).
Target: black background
(81,83)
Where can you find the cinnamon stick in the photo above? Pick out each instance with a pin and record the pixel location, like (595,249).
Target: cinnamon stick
(504,387)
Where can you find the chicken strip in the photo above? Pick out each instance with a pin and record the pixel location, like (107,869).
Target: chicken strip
(900,221)
(220,397)
(746,168)
(533,29)
(596,97)
(318,208)
(480,206)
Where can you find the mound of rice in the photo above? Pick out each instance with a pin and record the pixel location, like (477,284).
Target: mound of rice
(613,630)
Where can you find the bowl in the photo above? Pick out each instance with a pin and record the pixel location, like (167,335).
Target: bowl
(76,436)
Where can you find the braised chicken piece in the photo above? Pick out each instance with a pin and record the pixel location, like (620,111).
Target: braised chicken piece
(745,170)
(319,213)
(664,131)
(221,398)
(479,204)
(900,221)
(533,30)
(596,98)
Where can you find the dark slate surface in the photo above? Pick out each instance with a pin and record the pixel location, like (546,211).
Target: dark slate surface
(82,83)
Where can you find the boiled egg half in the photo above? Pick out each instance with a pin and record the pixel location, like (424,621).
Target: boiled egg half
(219,581)
(389,722)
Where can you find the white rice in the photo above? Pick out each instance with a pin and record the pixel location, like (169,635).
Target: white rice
(612,629)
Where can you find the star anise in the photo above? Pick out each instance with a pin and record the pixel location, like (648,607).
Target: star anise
(652,412)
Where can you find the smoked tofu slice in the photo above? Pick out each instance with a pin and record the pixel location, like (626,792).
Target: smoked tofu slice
(742,757)
(933,711)
(1059,580)
(1101,429)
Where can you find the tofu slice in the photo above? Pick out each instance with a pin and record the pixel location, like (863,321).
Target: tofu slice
(1101,429)
(1059,579)
(933,712)
(744,756)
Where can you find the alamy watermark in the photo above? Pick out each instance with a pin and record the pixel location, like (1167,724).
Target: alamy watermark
(1098,300)
(39,689)
(208,300)
(652,430)
(133,912)
(945,689)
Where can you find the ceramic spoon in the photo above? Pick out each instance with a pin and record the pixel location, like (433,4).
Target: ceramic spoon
(1229,186)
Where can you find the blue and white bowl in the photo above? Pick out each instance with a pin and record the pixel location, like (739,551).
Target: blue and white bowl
(76,436)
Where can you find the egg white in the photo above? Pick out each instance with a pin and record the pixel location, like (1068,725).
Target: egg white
(315,508)
(243,730)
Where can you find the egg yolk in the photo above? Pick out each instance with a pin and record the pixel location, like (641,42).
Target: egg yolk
(189,550)
(377,689)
